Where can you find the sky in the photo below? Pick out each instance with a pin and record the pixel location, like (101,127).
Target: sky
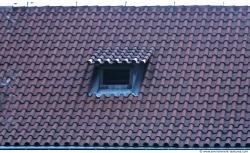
(120,2)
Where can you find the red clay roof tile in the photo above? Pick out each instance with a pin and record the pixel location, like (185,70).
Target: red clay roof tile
(195,91)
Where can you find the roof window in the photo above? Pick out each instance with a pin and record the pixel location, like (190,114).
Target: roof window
(116,76)
(118,71)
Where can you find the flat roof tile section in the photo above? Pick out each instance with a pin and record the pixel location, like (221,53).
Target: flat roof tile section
(120,55)
(195,91)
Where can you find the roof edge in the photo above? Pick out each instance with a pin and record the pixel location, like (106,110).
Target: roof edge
(46,6)
(116,148)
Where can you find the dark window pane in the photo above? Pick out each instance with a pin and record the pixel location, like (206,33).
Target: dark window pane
(116,76)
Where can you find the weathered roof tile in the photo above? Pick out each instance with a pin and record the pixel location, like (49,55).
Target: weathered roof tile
(195,91)
(120,55)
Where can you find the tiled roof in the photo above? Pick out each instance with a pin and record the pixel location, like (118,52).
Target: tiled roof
(121,55)
(196,89)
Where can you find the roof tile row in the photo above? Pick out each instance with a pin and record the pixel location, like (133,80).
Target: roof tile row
(195,91)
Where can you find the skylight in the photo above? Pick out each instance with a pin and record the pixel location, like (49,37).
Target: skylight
(118,71)
(116,76)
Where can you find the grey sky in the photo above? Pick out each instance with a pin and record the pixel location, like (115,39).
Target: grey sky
(120,2)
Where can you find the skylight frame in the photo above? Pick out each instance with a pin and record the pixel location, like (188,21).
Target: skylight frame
(136,77)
